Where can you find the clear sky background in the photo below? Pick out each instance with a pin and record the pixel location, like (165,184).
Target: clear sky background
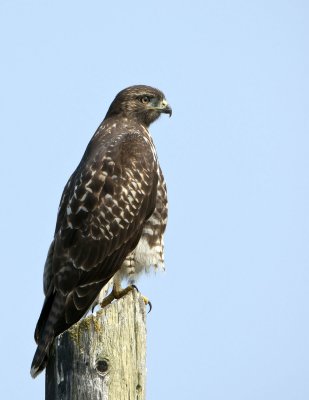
(230,315)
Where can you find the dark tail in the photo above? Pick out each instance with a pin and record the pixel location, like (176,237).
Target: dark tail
(44,333)
(40,359)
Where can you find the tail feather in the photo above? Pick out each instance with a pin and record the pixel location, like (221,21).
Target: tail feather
(43,316)
(40,360)
(45,333)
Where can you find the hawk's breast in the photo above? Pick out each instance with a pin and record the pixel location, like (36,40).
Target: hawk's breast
(149,252)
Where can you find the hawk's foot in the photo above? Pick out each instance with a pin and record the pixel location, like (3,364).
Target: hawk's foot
(119,292)
(116,294)
(147,303)
(145,299)
(107,300)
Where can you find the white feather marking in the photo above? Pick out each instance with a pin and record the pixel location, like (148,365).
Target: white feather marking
(81,208)
(84,197)
(146,256)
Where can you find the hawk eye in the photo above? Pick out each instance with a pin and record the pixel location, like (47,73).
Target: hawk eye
(145,99)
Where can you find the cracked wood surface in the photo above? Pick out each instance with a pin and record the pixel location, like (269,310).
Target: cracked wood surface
(103,356)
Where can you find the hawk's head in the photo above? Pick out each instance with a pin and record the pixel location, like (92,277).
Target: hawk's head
(142,103)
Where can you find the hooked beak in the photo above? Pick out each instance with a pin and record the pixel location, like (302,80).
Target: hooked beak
(165,108)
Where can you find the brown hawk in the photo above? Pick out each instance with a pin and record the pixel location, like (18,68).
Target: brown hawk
(111,217)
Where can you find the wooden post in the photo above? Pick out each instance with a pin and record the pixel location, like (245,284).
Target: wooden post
(103,356)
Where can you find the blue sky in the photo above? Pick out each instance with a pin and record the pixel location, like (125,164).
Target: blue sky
(230,315)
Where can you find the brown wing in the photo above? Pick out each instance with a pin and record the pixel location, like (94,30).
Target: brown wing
(110,199)
(100,219)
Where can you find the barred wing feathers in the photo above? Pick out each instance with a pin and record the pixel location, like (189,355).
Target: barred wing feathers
(101,216)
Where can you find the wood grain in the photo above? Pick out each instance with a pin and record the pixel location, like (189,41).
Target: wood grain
(101,357)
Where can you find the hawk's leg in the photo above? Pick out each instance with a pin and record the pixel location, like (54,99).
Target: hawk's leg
(118,292)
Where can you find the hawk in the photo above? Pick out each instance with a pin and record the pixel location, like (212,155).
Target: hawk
(111,218)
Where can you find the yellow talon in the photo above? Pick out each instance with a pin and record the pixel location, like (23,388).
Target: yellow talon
(147,303)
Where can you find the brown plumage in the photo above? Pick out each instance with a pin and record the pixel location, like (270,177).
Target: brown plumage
(113,206)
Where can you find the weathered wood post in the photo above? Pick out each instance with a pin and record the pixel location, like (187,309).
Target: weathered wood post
(101,357)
